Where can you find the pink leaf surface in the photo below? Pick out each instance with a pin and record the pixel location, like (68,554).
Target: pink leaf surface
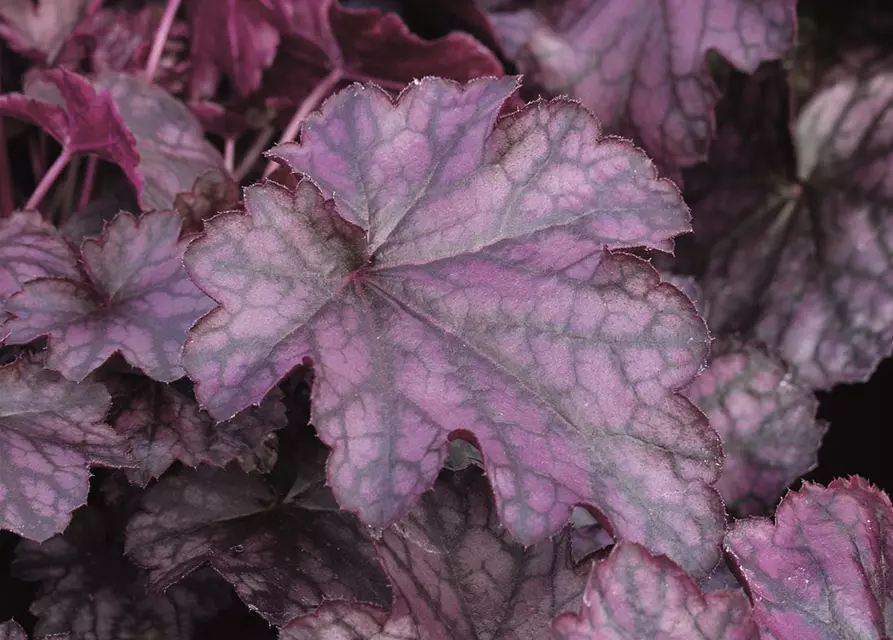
(51,431)
(38,29)
(458,284)
(82,119)
(632,594)
(766,420)
(639,65)
(134,298)
(822,571)
(31,248)
(12,630)
(352,621)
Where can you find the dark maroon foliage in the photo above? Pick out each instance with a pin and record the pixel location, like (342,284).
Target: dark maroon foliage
(444,319)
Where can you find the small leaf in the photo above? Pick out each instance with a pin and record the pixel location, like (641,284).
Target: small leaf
(632,594)
(766,420)
(51,431)
(11,630)
(31,248)
(38,29)
(823,569)
(213,192)
(134,298)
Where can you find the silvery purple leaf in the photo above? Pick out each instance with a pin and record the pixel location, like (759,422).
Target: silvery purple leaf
(12,630)
(31,248)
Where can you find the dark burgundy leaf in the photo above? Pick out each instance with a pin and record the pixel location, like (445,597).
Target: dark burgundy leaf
(134,298)
(766,420)
(11,630)
(632,594)
(283,558)
(51,431)
(461,286)
(163,425)
(38,28)
(806,269)
(639,65)
(82,119)
(31,248)
(352,621)
(172,147)
(823,569)
(212,193)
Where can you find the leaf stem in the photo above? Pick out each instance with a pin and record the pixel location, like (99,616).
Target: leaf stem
(48,179)
(257,147)
(7,204)
(164,28)
(87,188)
(229,154)
(311,102)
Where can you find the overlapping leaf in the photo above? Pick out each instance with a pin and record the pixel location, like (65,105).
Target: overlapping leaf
(632,594)
(212,193)
(459,575)
(38,29)
(12,630)
(640,65)
(284,558)
(766,419)
(31,248)
(807,270)
(134,298)
(458,284)
(163,425)
(823,569)
(51,430)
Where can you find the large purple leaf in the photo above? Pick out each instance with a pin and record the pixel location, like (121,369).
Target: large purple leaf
(822,571)
(31,248)
(458,284)
(11,630)
(806,269)
(134,298)
(766,420)
(639,65)
(82,119)
(284,558)
(632,594)
(38,28)
(353,621)
(163,425)
(459,575)
(51,431)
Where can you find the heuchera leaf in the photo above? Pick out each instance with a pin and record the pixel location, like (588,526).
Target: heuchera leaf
(163,425)
(31,248)
(806,270)
(212,193)
(632,594)
(437,296)
(639,65)
(353,621)
(823,569)
(80,118)
(459,575)
(284,558)
(38,28)
(11,630)
(766,420)
(134,298)
(51,431)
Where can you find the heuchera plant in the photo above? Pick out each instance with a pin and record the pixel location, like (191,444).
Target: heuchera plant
(330,319)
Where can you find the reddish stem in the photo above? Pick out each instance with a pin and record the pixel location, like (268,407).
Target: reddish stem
(87,189)
(6,202)
(229,154)
(257,147)
(167,21)
(48,179)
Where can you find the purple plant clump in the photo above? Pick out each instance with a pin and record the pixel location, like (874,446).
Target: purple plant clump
(499,319)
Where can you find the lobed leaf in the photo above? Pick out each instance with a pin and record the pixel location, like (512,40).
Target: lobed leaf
(822,570)
(441,293)
(213,192)
(51,431)
(38,29)
(31,248)
(11,630)
(134,298)
(632,594)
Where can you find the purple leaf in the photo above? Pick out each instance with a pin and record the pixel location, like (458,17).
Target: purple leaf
(806,269)
(283,558)
(11,630)
(134,298)
(632,594)
(823,569)
(766,420)
(31,248)
(353,621)
(163,425)
(38,29)
(420,308)
(587,536)
(639,65)
(213,192)
(172,148)
(51,431)
(82,119)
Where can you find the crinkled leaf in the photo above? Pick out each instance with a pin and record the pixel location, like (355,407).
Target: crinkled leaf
(163,425)
(461,286)
(82,119)
(587,536)
(822,571)
(639,65)
(766,420)
(632,594)
(134,298)
(11,630)
(282,559)
(31,248)
(353,621)
(807,270)
(51,431)
(172,148)
(89,589)
(213,192)
(38,28)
